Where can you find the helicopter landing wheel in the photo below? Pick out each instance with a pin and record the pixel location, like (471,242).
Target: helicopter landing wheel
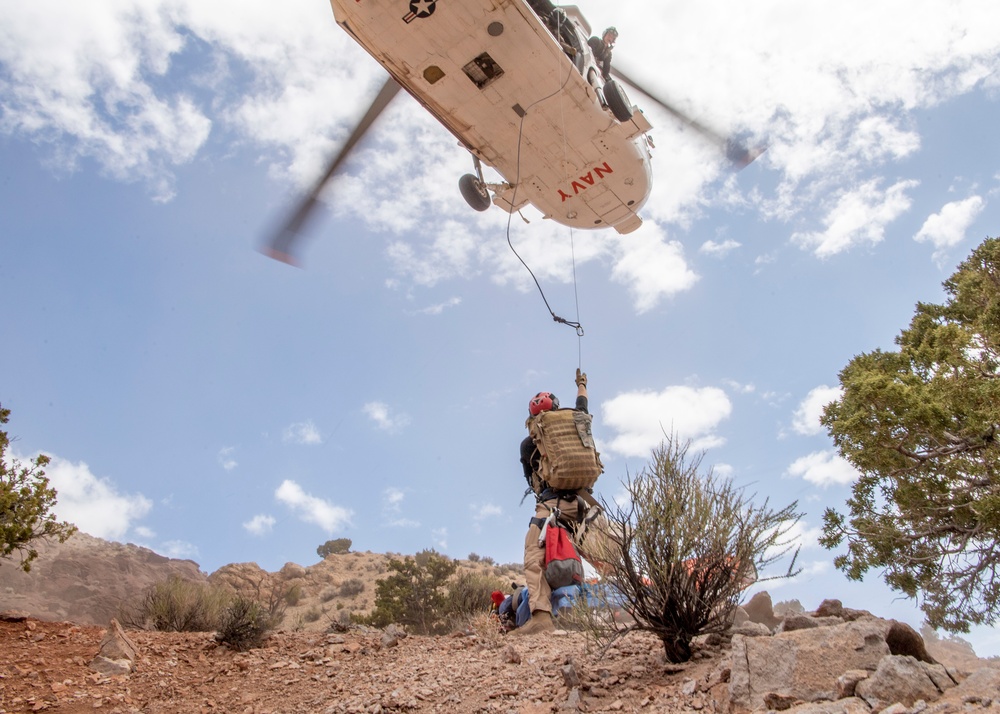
(474,192)
(618,103)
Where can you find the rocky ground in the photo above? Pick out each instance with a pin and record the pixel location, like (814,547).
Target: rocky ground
(317,664)
(44,666)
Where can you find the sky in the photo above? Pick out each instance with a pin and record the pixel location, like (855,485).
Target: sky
(209,403)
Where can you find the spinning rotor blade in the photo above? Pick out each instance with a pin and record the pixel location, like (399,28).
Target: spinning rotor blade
(280,246)
(738,154)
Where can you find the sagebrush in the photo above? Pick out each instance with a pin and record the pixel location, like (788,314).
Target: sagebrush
(688,544)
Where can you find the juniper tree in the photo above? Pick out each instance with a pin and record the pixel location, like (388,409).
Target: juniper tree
(919,423)
(338,546)
(415,594)
(26,502)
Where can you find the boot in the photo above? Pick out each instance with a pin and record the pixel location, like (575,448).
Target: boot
(540,622)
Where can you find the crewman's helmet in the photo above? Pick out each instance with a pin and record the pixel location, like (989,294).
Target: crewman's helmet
(542,402)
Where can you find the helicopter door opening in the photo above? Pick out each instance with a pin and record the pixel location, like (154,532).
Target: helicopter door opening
(563,29)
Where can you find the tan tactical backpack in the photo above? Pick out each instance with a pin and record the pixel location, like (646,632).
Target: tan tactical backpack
(565,442)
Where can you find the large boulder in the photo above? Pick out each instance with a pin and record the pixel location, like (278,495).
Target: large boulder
(761,611)
(798,663)
(980,692)
(903,679)
(116,654)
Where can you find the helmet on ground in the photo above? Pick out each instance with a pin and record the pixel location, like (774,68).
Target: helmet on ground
(543,402)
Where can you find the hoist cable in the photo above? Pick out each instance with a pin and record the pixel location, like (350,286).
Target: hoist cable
(576,299)
(510,213)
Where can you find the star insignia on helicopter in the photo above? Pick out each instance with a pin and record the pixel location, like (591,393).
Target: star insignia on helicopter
(422,8)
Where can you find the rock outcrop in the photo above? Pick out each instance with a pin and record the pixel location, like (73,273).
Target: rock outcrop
(86,579)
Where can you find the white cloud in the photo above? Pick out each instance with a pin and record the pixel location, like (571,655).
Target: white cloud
(440,537)
(801,535)
(440,307)
(859,216)
(393,499)
(947,228)
(402,522)
(311,509)
(641,418)
(823,468)
(806,418)
(178,549)
(451,252)
(719,250)
(304,432)
(809,571)
(653,268)
(482,511)
(260,524)
(85,87)
(93,504)
(392,509)
(138,87)
(740,387)
(384,418)
(723,470)
(226,459)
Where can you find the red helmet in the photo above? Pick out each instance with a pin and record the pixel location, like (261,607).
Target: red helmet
(543,402)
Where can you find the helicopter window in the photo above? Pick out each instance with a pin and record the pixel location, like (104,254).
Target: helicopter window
(433,73)
(483,70)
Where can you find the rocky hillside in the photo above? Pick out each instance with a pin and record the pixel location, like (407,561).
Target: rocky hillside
(86,580)
(831,660)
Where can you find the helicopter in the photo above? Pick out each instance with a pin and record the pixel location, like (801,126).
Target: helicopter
(518,84)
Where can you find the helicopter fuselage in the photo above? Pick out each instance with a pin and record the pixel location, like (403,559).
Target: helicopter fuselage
(520,100)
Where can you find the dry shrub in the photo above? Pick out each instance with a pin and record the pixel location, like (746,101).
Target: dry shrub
(177,605)
(245,624)
(352,587)
(486,628)
(469,593)
(688,545)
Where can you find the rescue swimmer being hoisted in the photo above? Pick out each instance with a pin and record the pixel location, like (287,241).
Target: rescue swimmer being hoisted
(518,84)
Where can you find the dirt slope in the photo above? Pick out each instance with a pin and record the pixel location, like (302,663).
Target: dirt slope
(43,667)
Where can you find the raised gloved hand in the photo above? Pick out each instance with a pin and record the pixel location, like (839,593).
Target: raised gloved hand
(581,378)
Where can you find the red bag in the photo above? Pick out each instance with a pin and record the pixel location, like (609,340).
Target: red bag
(562,564)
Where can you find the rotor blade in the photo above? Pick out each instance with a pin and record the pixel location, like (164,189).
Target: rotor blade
(280,246)
(738,154)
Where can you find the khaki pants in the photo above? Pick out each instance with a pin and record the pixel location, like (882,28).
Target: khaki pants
(593,542)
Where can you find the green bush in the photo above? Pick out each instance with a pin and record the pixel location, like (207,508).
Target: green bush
(415,594)
(477,558)
(338,546)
